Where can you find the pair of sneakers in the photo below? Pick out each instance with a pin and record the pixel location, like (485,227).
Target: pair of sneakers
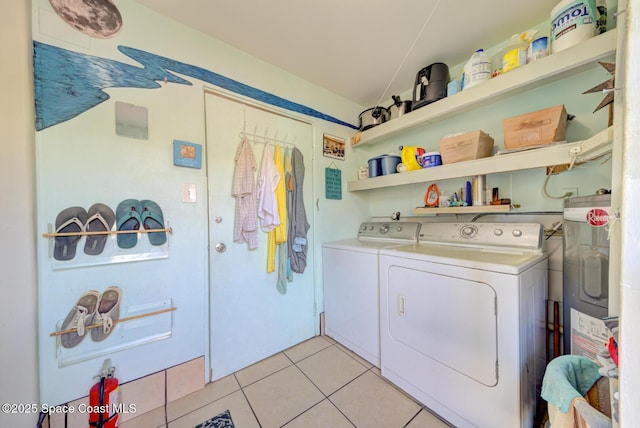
(92,309)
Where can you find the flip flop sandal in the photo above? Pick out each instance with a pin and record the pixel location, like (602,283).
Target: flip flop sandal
(79,317)
(69,220)
(152,219)
(108,311)
(128,218)
(101,219)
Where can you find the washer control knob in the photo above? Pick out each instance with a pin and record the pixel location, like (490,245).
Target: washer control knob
(384,228)
(469,231)
(497,232)
(517,233)
(364,227)
(370,227)
(399,229)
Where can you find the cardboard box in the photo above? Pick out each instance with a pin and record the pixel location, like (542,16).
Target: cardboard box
(536,128)
(464,147)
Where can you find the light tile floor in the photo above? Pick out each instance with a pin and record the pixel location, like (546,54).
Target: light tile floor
(317,383)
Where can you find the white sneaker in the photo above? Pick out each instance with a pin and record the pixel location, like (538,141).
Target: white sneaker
(108,311)
(78,318)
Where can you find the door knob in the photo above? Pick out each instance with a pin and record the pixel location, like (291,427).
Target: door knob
(221,248)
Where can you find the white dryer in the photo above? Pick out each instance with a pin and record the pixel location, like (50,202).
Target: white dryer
(350,281)
(462,321)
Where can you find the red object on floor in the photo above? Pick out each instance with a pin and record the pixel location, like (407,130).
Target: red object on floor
(104,403)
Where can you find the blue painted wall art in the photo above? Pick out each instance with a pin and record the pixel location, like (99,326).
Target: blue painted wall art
(69,83)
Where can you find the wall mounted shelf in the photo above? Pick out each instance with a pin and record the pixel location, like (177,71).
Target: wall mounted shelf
(463,210)
(554,154)
(554,67)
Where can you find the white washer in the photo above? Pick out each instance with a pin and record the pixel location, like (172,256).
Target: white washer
(350,281)
(462,321)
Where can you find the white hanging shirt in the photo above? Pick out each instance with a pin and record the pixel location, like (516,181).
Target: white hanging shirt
(267,182)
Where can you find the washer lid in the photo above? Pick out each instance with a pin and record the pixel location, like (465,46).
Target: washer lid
(467,257)
(363,246)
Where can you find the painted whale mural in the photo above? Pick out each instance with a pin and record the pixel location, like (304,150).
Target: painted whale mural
(69,83)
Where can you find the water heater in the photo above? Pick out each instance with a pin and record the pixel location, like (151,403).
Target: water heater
(585,270)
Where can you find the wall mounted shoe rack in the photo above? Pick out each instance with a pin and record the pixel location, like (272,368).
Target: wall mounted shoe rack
(558,66)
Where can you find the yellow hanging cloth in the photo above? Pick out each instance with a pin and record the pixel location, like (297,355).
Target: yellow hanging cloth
(279,234)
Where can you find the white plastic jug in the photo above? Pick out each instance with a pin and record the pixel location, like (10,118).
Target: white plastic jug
(478,69)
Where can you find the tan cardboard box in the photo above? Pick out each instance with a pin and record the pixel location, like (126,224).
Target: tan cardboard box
(535,128)
(464,147)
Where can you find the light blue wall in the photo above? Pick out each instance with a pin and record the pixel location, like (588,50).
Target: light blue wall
(82,161)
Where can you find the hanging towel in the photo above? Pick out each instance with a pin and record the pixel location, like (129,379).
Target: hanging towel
(279,234)
(299,226)
(283,266)
(245,225)
(567,377)
(267,182)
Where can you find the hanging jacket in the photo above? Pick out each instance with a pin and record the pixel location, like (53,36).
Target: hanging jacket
(245,224)
(299,226)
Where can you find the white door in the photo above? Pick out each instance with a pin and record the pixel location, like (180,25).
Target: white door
(249,318)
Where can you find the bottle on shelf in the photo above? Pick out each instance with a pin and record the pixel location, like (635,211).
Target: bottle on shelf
(478,69)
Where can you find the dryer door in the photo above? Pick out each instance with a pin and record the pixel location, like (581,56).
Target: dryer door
(447,318)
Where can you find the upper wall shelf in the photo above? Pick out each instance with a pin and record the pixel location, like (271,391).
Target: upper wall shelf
(555,154)
(563,64)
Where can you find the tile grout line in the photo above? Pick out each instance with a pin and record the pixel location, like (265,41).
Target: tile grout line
(247,400)
(316,386)
(412,418)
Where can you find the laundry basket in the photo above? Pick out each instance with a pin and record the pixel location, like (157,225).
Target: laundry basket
(576,395)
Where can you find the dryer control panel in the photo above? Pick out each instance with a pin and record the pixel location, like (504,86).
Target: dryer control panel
(504,236)
(394,230)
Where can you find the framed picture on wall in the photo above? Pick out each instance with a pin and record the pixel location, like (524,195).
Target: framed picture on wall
(332,147)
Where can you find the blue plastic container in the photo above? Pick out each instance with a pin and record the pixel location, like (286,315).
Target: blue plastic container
(430,159)
(375,169)
(389,164)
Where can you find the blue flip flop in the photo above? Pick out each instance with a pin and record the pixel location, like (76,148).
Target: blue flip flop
(128,218)
(152,219)
(69,220)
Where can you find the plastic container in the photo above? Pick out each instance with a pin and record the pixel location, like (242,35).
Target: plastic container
(478,69)
(430,159)
(515,55)
(538,48)
(389,164)
(572,22)
(375,169)
(409,156)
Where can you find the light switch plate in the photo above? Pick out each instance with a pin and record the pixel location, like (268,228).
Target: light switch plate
(189,193)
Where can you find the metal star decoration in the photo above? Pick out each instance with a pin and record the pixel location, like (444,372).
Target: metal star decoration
(607,87)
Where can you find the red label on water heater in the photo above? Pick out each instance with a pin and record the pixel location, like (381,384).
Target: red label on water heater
(597,217)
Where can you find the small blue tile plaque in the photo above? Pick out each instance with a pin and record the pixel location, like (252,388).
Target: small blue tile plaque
(187,154)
